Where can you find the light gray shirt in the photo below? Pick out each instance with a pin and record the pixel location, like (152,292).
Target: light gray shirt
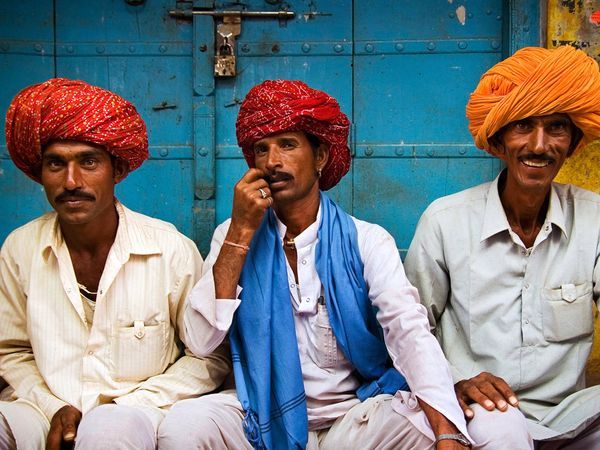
(523,314)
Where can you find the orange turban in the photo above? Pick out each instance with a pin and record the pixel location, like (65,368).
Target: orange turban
(537,82)
(275,106)
(63,109)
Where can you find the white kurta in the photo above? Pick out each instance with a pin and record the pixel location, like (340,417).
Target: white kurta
(523,314)
(52,356)
(328,376)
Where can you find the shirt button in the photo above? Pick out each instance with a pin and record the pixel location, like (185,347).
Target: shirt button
(526,322)
(526,285)
(304,261)
(90,353)
(68,290)
(292,285)
(307,299)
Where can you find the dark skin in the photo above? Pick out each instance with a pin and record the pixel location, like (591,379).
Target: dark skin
(287,168)
(534,149)
(79,180)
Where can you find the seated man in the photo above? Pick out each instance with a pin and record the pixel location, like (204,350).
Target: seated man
(314,365)
(92,294)
(509,270)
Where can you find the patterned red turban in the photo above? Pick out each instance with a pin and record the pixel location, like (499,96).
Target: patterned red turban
(537,82)
(276,106)
(61,109)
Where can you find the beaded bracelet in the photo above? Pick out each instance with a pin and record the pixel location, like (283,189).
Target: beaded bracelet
(233,244)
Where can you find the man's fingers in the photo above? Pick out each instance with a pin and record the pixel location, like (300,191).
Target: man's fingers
(472,393)
(468,412)
(504,389)
(54,438)
(252,175)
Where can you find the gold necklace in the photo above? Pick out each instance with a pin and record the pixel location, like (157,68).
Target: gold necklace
(289,243)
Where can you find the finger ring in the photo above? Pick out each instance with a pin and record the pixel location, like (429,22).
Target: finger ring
(270,201)
(263,194)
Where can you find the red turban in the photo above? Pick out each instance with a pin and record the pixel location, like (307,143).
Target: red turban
(62,109)
(276,106)
(537,82)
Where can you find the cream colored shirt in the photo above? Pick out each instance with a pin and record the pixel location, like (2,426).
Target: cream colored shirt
(523,314)
(49,353)
(329,379)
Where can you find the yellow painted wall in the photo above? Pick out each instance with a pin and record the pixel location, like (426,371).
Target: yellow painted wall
(572,23)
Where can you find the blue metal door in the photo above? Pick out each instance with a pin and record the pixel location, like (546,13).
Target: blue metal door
(401,70)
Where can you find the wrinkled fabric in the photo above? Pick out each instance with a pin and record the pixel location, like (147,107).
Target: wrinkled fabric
(63,109)
(536,82)
(276,106)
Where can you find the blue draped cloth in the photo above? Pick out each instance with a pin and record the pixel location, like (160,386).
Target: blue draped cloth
(264,347)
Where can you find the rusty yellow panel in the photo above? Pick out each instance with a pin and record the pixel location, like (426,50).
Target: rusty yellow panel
(577,23)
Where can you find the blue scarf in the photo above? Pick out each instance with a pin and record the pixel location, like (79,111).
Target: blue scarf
(264,348)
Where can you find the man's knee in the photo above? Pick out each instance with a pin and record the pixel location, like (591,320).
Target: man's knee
(7,440)
(212,421)
(115,427)
(497,430)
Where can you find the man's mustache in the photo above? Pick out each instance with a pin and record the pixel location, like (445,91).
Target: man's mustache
(75,194)
(277,176)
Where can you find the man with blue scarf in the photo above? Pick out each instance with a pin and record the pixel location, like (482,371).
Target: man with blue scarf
(330,346)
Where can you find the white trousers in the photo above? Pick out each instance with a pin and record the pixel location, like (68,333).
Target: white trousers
(496,430)
(106,427)
(215,422)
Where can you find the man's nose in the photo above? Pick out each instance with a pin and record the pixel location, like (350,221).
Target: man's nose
(273,157)
(73,178)
(538,140)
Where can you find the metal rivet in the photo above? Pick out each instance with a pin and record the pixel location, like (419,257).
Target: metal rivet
(203,48)
(462,151)
(488,12)
(431,46)
(38,47)
(495,44)
(369,48)
(162,48)
(203,151)
(462,45)
(399,47)
(430,152)
(275,48)
(70,49)
(399,151)
(164,152)
(131,49)
(337,48)
(470,15)
(368,151)
(100,49)
(451,15)
(306,47)
(498,18)
(245,48)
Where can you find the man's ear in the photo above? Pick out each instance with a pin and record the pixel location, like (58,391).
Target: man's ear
(120,169)
(322,155)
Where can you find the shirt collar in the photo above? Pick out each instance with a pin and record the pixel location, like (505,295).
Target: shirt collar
(131,238)
(495,220)
(305,238)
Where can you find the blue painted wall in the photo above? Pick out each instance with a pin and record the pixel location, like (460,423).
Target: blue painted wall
(401,70)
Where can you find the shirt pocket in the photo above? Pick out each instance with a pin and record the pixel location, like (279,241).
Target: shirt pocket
(139,351)
(325,351)
(567,312)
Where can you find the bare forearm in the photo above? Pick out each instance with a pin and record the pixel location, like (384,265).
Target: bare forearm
(439,423)
(230,262)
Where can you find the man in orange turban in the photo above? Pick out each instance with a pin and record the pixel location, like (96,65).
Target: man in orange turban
(510,270)
(92,294)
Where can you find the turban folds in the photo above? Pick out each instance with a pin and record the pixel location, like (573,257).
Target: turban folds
(276,106)
(537,82)
(63,109)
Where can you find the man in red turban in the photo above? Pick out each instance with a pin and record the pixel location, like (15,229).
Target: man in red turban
(295,279)
(92,294)
(510,270)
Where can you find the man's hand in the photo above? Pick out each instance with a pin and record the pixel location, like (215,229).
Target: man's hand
(487,390)
(249,206)
(63,428)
